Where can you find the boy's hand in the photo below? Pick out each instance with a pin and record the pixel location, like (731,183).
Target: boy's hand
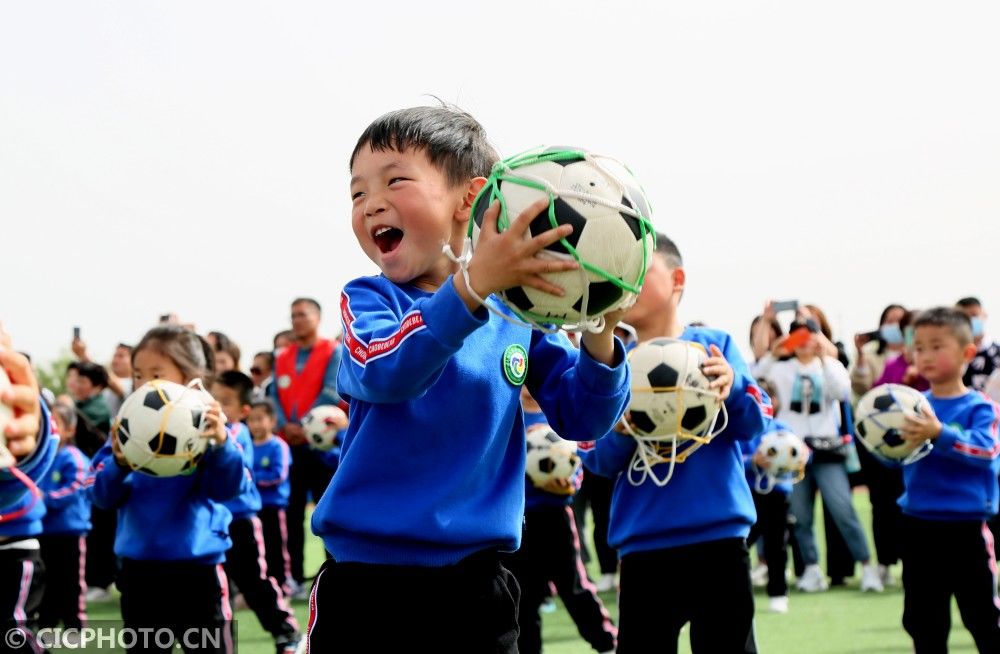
(620,425)
(503,260)
(215,427)
(294,433)
(116,449)
(22,397)
(717,366)
(558,487)
(917,429)
(601,346)
(761,461)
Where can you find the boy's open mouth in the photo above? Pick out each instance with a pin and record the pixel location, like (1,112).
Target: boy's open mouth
(387,238)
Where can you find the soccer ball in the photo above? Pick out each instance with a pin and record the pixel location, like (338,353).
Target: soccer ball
(786,453)
(670,393)
(612,236)
(159,428)
(321,425)
(549,456)
(879,417)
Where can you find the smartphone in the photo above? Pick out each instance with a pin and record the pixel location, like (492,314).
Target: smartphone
(796,339)
(870,336)
(785,305)
(76,333)
(164,318)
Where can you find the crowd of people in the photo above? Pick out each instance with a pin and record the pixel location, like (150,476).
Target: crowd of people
(454,527)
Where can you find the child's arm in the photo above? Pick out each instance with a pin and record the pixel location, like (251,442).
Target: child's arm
(610,455)
(277,472)
(977,446)
(111,486)
(223,471)
(582,398)
(72,480)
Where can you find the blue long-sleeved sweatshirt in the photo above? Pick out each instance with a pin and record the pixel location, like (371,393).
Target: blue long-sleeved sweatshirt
(171,518)
(247,503)
(748,448)
(957,480)
(707,498)
(432,466)
(67,494)
(16,497)
(535,497)
(271,462)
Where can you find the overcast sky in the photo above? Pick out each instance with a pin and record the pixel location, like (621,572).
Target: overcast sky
(192,156)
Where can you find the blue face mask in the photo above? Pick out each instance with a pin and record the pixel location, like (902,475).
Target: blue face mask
(977,326)
(891,334)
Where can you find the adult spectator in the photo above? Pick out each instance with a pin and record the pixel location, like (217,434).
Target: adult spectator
(873,351)
(262,374)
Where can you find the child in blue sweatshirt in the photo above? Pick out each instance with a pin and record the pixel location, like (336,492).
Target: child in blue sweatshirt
(65,528)
(683,546)
(271,462)
(950,494)
(32,441)
(245,561)
(430,487)
(173,532)
(550,552)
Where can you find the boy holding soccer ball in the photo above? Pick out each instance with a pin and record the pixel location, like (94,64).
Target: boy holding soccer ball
(420,509)
(683,545)
(949,494)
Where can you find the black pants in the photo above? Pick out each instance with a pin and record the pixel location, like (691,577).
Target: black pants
(706,584)
(64,556)
(550,551)
(102,564)
(189,599)
(467,608)
(308,476)
(596,491)
(941,559)
(22,584)
(772,526)
(247,568)
(885,486)
(275,524)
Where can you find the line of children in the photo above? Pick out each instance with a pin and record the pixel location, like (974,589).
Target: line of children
(420,507)
(683,546)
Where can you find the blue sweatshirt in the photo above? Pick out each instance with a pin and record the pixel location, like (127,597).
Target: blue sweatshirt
(957,480)
(271,460)
(171,518)
(535,497)
(748,448)
(247,503)
(708,497)
(67,494)
(16,497)
(432,465)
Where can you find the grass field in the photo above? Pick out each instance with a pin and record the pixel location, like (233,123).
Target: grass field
(841,620)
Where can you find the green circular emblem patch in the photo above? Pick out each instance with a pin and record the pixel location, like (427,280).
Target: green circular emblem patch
(515,364)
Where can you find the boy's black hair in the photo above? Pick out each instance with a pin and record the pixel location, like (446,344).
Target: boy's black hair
(668,248)
(73,365)
(97,375)
(953,319)
(239,382)
(308,300)
(265,405)
(454,141)
(269,356)
(287,333)
(969,303)
(125,346)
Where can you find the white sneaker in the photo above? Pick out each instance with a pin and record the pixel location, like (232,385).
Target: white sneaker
(885,574)
(98,595)
(605,583)
(758,575)
(812,580)
(871,580)
(778,604)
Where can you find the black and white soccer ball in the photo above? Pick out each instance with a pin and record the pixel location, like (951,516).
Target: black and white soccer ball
(879,417)
(786,453)
(549,456)
(670,393)
(322,424)
(610,216)
(159,428)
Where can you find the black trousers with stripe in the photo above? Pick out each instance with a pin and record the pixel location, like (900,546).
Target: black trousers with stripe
(189,599)
(941,559)
(22,577)
(550,551)
(64,556)
(246,567)
(275,523)
(469,607)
